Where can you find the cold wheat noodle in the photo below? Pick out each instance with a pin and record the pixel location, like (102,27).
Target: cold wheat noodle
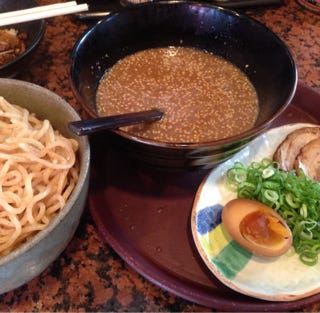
(38,171)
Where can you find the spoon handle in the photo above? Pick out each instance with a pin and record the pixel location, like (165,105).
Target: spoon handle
(89,126)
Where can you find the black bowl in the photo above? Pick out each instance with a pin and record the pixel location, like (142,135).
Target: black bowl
(245,42)
(34,30)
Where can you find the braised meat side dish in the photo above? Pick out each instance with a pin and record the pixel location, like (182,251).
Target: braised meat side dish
(301,150)
(12,44)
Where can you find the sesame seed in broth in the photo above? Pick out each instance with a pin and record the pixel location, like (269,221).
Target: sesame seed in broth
(203,96)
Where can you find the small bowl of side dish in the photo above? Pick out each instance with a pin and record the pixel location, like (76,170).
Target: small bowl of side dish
(18,41)
(50,185)
(247,45)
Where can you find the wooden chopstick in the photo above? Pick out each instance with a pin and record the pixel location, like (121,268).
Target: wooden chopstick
(41,12)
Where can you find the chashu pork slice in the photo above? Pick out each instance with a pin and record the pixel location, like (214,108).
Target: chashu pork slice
(289,149)
(309,160)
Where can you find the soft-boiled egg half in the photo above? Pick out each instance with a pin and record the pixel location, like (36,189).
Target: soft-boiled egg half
(256,227)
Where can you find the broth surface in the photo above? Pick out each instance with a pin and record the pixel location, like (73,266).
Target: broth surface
(203,96)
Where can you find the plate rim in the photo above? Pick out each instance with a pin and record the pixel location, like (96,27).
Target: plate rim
(278,298)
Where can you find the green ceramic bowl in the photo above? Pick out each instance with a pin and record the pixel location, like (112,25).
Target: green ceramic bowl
(31,258)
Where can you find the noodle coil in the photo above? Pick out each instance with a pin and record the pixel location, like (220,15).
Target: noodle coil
(38,171)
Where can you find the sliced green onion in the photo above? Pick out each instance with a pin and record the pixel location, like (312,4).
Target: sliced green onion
(267,172)
(295,198)
(310,259)
(271,195)
(304,211)
(293,203)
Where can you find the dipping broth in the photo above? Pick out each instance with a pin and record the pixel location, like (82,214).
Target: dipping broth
(203,96)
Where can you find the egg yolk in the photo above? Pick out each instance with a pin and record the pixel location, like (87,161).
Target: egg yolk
(263,228)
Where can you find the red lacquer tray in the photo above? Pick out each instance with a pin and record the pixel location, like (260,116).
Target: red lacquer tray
(144,215)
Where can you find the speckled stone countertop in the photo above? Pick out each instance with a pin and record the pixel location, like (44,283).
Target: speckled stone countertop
(89,275)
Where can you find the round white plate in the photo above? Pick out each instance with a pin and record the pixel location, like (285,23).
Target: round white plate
(281,278)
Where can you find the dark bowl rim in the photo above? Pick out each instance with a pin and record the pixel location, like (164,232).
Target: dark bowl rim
(29,49)
(253,132)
